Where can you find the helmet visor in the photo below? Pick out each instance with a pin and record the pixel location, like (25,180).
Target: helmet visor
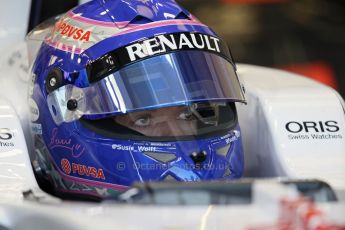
(198,119)
(172,79)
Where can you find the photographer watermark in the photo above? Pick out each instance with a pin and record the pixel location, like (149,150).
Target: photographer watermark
(122,166)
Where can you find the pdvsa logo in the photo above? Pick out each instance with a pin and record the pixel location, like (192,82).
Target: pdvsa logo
(81,170)
(88,171)
(73,32)
(312,126)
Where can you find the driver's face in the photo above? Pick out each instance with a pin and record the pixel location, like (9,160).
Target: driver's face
(165,122)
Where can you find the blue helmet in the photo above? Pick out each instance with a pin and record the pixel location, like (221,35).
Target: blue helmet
(128,91)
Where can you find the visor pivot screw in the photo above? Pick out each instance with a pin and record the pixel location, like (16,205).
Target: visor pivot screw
(72,104)
(52,82)
(199,157)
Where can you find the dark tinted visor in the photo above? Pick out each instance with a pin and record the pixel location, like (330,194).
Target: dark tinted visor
(173,79)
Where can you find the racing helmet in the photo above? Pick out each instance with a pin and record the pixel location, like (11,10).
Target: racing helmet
(127,91)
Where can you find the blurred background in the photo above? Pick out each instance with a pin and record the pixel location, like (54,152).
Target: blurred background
(302,36)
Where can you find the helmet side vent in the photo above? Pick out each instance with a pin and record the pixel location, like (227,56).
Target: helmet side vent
(182,15)
(142,11)
(140,20)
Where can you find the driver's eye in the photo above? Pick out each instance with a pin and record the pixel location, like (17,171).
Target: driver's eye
(186,115)
(143,121)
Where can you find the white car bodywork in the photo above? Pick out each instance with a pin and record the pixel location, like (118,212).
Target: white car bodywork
(275,99)
(285,130)
(14,16)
